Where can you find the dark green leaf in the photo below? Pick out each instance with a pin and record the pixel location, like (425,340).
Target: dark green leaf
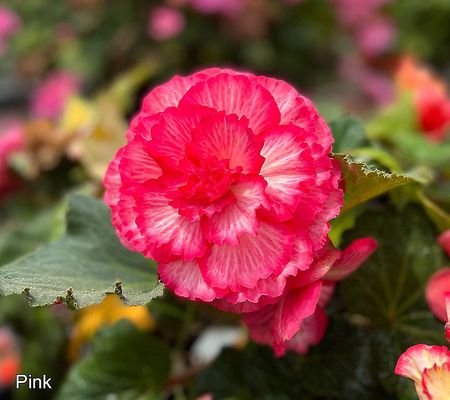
(123,362)
(348,134)
(89,259)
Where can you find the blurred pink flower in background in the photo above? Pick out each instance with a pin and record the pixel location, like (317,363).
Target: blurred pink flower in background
(51,95)
(375,36)
(165,23)
(355,12)
(230,8)
(11,141)
(9,25)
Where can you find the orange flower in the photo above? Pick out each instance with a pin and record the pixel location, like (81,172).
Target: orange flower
(429,95)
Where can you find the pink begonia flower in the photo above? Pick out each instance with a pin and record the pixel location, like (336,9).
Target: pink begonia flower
(429,368)
(226,181)
(230,8)
(11,141)
(50,97)
(165,23)
(297,319)
(436,289)
(375,36)
(355,12)
(438,285)
(9,25)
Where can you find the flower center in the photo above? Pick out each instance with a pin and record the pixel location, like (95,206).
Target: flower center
(206,189)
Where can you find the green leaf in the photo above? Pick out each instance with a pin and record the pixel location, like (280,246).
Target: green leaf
(123,362)
(387,295)
(84,265)
(363,183)
(348,134)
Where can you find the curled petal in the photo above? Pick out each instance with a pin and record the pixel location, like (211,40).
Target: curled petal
(436,382)
(351,259)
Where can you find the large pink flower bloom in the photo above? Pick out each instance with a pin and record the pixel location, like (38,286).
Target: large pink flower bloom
(226,181)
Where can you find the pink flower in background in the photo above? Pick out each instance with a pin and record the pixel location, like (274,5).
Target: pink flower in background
(227,182)
(9,357)
(429,368)
(438,285)
(297,319)
(9,25)
(444,241)
(165,23)
(11,141)
(356,12)
(375,36)
(230,8)
(50,98)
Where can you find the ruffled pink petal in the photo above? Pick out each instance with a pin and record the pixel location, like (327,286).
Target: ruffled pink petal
(253,259)
(185,279)
(122,205)
(136,164)
(161,224)
(141,125)
(351,259)
(170,93)
(236,94)
(435,291)
(227,138)
(311,332)
(287,163)
(279,322)
(444,241)
(413,361)
(173,132)
(239,217)
(317,270)
(436,382)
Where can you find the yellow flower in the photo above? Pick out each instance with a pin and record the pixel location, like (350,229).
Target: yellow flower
(108,312)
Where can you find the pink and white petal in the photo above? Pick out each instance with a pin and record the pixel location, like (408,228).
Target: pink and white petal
(437,288)
(351,258)
(185,279)
(227,138)
(236,94)
(112,180)
(416,359)
(311,332)
(296,305)
(141,125)
(436,382)
(287,163)
(278,323)
(173,131)
(444,241)
(239,217)
(317,270)
(161,224)
(170,93)
(256,257)
(136,164)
